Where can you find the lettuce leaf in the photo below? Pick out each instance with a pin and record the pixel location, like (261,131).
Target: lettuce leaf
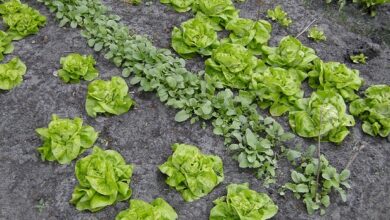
(12,7)
(6,46)
(336,76)
(11,74)
(104,179)
(179,5)
(219,11)
(108,97)
(243,203)
(158,209)
(279,15)
(194,36)
(278,89)
(76,67)
(65,139)
(192,173)
(374,110)
(323,114)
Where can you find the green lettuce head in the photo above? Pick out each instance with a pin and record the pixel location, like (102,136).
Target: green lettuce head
(243,203)
(104,179)
(324,114)
(232,65)
(108,97)
(159,209)
(11,7)
(374,110)
(289,54)
(6,46)
(194,36)
(336,76)
(249,33)
(179,5)
(219,11)
(76,67)
(278,89)
(192,173)
(11,74)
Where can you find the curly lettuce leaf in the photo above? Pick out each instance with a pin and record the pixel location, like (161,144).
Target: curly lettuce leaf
(324,114)
(108,97)
(65,139)
(11,7)
(335,76)
(374,110)
(6,46)
(179,5)
(192,173)
(219,11)
(76,67)
(278,89)
(194,36)
(243,203)
(158,209)
(11,74)
(104,179)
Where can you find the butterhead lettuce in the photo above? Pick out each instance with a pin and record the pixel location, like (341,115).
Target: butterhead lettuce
(11,74)
(179,5)
(76,66)
(219,11)
(158,209)
(6,46)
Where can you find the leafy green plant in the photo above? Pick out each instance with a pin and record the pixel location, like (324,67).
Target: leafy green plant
(194,36)
(76,66)
(316,34)
(335,76)
(232,65)
(180,5)
(108,97)
(65,139)
(11,74)
(316,193)
(41,205)
(290,53)
(104,179)
(6,46)
(374,110)
(323,114)
(192,173)
(358,58)
(158,209)
(11,7)
(370,5)
(279,15)
(278,89)
(249,33)
(243,203)
(219,11)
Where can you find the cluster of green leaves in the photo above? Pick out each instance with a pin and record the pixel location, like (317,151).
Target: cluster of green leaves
(335,76)
(76,67)
(108,97)
(279,15)
(65,139)
(358,58)
(304,185)
(243,203)
(194,36)
(11,74)
(21,19)
(322,115)
(192,173)
(180,5)
(220,12)
(158,209)
(316,34)
(374,110)
(104,179)
(369,5)
(6,46)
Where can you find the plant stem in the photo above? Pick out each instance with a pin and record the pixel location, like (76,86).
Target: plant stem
(307,27)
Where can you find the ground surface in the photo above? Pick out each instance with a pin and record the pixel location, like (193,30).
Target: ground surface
(144,135)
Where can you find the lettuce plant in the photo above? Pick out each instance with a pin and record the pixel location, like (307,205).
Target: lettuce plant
(179,5)
(232,65)
(249,33)
(358,58)
(374,110)
(11,7)
(335,76)
(65,139)
(194,36)
(316,34)
(219,11)
(104,179)
(290,54)
(278,89)
(243,203)
(324,114)
(158,209)
(6,46)
(11,74)
(279,15)
(192,173)
(76,67)
(108,97)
